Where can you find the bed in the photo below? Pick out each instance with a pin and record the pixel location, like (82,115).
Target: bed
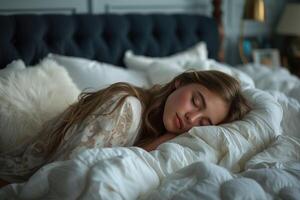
(254,158)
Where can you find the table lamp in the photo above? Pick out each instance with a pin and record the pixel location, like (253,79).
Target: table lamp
(253,10)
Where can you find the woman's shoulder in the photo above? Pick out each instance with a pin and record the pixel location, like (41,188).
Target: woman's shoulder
(132,100)
(130,107)
(132,103)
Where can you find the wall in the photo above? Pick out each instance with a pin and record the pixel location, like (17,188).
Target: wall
(104,6)
(146,6)
(44,6)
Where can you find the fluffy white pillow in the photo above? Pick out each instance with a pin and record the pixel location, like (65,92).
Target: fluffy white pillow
(195,53)
(89,74)
(14,65)
(29,98)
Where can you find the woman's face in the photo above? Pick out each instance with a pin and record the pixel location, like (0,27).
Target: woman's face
(193,105)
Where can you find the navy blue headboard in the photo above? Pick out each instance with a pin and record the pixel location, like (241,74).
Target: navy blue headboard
(103,37)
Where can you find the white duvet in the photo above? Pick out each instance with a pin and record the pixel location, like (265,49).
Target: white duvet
(273,79)
(254,158)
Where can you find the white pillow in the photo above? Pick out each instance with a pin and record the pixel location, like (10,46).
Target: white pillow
(14,65)
(29,98)
(195,53)
(89,74)
(160,72)
(209,64)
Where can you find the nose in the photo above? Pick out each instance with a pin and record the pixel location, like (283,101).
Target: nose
(193,117)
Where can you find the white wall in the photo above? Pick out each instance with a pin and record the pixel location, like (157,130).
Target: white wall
(147,6)
(104,6)
(44,6)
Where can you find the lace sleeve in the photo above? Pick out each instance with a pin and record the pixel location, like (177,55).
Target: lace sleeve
(120,128)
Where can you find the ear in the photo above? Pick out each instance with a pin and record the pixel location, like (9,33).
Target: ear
(177,84)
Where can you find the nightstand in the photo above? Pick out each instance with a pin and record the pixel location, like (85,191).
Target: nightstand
(293,56)
(294,65)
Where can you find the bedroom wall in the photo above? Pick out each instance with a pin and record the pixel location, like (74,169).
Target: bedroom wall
(44,6)
(232,12)
(146,6)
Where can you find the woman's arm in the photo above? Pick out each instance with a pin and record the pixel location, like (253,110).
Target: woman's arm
(155,143)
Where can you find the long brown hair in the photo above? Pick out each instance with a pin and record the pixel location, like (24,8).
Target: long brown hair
(152,101)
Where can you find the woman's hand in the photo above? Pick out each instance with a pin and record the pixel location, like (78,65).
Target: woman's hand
(155,143)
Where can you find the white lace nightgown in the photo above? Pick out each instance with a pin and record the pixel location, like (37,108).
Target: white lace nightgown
(120,128)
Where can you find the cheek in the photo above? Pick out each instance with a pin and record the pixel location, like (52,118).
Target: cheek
(182,102)
(177,102)
(171,107)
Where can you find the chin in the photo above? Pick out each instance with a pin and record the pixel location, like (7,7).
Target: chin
(175,131)
(178,132)
(170,128)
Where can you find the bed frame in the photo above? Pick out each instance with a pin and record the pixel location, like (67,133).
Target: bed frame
(105,37)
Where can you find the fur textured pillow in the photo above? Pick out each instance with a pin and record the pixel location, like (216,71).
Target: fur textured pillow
(13,66)
(30,97)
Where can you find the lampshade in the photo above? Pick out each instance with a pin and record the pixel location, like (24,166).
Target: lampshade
(289,21)
(254,10)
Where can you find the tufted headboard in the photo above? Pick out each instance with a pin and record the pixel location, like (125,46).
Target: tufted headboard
(103,37)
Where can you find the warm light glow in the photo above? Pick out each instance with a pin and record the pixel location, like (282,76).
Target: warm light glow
(254,10)
(260,11)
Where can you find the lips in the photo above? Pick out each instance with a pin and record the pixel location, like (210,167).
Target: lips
(179,122)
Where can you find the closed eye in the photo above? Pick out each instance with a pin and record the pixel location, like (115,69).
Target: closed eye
(196,101)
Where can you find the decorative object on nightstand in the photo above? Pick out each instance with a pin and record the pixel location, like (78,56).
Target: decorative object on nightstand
(289,27)
(253,10)
(267,57)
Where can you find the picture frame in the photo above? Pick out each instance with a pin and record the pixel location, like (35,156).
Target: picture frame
(267,57)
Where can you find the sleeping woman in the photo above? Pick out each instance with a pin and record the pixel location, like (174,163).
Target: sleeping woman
(125,115)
